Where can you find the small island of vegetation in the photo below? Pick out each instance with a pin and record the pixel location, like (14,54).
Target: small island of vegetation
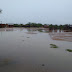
(69,50)
(53,46)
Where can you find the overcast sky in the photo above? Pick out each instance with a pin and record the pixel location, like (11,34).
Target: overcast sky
(39,11)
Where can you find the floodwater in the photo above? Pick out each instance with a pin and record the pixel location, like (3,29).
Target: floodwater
(28,50)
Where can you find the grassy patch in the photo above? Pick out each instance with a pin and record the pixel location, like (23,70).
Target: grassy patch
(69,50)
(53,46)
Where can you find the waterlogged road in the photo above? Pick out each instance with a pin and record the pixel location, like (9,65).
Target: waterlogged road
(28,50)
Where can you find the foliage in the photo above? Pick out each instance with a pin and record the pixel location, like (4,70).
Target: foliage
(69,50)
(53,46)
(51,27)
(16,25)
(60,27)
(55,27)
(33,24)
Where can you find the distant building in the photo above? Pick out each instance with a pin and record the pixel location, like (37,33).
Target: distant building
(5,25)
(10,25)
(46,26)
(2,25)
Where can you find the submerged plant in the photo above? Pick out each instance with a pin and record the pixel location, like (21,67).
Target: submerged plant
(40,30)
(43,64)
(28,37)
(53,46)
(69,50)
(22,40)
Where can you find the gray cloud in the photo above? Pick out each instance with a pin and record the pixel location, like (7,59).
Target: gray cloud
(41,11)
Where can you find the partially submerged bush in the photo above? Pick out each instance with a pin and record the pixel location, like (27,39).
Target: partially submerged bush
(28,37)
(40,30)
(69,50)
(53,46)
(43,64)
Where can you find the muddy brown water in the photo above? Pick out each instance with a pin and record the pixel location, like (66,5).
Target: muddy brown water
(28,50)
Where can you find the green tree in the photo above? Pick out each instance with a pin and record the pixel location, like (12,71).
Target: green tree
(66,27)
(61,27)
(16,25)
(39,25)
(51,27)
(21,25)
(55,27)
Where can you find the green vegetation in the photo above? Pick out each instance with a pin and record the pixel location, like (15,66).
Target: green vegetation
(28,25)
(69,50)
(61,27)
(53,46)
(50,26)
(16,25)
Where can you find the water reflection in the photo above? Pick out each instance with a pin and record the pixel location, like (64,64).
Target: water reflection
(31,31)
(6,29)
(9,29)
(56,31)
(44,30)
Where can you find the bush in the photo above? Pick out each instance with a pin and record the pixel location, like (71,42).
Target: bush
(69,50)
(53,46)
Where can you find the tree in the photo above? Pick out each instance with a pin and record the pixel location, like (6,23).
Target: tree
(21,25)
(51,27)
(55,27)
(39,25)
(61,27)
(66,27)
(16,25)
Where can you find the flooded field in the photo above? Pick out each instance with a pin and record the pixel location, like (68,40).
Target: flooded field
(28,50)
(63,36)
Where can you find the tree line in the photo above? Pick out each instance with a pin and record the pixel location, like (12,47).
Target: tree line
(50,26)
(28,25)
